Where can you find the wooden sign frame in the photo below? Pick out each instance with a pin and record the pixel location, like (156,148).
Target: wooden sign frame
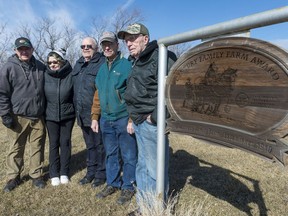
(232,91)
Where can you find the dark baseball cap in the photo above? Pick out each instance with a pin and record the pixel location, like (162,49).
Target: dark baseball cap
(23,42)
(136,28)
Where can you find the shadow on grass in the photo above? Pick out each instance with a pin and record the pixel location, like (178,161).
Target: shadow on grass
(217,181)
(77,164)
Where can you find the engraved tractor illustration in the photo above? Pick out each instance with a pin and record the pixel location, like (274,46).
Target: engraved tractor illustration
(206,94)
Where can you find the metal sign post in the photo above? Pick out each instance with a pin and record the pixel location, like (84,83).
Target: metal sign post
(233,26)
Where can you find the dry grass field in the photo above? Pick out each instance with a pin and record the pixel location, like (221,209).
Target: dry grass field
(208,180)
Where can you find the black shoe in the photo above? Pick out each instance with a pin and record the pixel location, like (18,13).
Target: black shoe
(108,190)
(126,196)
(97,182)
(135,213)
(38,182)
(11,184)
(86,180)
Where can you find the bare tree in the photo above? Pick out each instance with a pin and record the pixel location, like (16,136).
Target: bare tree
(121,19)
(99,25)
(35,34)
(40,35)
(179,49)
(48,34)
(70,39)
(5,44)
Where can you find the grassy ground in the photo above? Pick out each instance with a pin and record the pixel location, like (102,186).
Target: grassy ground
(209,180)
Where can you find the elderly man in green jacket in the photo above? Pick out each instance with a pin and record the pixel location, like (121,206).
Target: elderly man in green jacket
(114,124)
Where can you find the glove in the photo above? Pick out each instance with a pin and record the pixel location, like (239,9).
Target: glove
(8,121)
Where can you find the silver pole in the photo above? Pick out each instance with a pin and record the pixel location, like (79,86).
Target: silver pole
(237,25)
(162,69)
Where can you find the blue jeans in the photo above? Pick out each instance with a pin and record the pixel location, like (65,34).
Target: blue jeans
(146,169)
(95,158)
(120,149)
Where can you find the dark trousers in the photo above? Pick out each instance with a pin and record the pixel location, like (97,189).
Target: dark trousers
(59,146)
(95,158)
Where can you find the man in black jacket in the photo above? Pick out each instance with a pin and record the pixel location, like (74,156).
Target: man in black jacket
(141,99)
(83,75)
(22,105)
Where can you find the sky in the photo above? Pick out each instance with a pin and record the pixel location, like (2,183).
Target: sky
(162,17)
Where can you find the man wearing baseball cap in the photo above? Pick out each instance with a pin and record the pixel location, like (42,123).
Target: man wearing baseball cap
(134,29)
(119,144)
(22,104)
(141,99)
(22,42)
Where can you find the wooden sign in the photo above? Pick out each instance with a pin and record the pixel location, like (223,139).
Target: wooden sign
(232,91)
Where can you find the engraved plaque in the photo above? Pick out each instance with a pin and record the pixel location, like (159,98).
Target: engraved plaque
(232,91)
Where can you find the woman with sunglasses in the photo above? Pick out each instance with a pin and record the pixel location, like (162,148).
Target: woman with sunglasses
(60,115)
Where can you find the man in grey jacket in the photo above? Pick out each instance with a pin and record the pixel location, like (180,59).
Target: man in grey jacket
(22,104)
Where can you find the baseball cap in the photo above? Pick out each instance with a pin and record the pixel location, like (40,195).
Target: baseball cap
(23,42)
(136,28)
(108,36)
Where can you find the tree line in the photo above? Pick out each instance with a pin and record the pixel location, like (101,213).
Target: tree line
(48,34)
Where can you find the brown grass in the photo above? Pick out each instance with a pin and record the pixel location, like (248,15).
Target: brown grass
(205,179)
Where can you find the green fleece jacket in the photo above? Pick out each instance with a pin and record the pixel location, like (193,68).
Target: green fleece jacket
(111,85)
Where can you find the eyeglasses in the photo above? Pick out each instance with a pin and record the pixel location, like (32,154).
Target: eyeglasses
(52,62)
(86,46)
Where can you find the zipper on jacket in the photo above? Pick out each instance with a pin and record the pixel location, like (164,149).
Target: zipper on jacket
(24,72)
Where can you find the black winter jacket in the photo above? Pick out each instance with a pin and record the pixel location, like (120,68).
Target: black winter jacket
(22,88)
(142,86)
(83,75)
(59,94)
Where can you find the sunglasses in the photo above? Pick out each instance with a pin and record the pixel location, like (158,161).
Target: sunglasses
(86,46)
(52,62)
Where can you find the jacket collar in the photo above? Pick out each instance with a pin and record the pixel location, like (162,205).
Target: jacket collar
(62,72)
(95,58)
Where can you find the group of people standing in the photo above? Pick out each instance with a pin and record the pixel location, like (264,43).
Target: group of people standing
(114,100)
